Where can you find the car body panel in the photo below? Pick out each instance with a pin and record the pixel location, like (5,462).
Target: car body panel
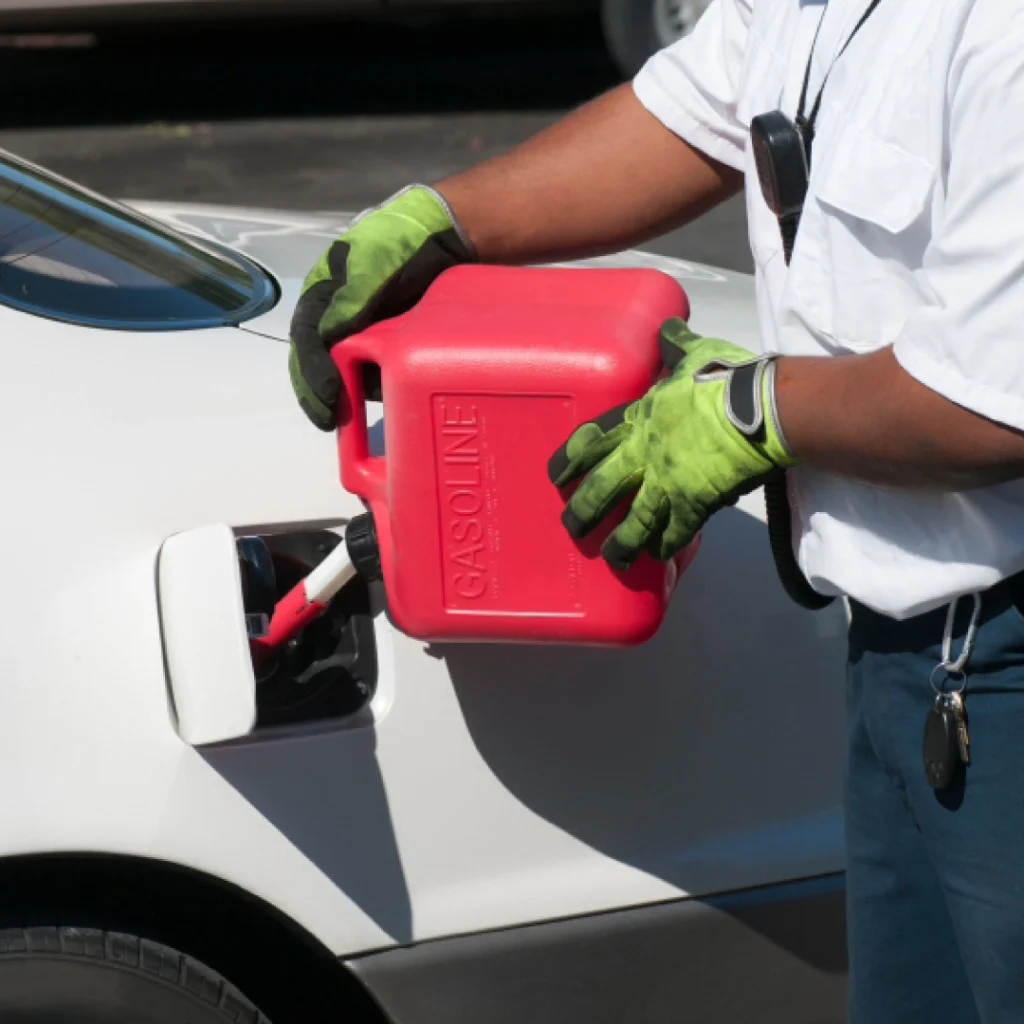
(290,243)
(774,955)
(147,435)
(484,786)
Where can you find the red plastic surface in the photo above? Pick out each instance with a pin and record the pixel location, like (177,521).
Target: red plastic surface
(291,615)
(482,381)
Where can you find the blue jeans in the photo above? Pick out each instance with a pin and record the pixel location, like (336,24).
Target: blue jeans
(935,879)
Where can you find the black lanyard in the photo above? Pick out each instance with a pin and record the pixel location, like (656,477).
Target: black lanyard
(807,124)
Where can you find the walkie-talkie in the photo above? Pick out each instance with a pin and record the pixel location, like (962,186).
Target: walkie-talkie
(780,155)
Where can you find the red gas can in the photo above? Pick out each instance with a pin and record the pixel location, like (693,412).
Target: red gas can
(482,381)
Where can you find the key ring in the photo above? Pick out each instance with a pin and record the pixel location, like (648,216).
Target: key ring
(956,669)
(957,675)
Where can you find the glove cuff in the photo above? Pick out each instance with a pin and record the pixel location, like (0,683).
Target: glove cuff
(776,445)
(447,221)
(464,238)
(750,406)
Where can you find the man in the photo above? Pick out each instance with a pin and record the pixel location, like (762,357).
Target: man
(892,392)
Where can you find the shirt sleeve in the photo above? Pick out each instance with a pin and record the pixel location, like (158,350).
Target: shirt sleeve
(968,344)
(692,87)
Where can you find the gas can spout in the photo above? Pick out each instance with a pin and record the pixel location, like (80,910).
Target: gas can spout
(310,598)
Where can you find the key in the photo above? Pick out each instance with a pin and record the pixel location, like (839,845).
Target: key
(955,701)
(941,747)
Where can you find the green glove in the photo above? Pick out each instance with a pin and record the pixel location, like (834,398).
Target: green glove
(693,444)
(377,269)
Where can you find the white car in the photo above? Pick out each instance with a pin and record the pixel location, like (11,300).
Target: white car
(383,831)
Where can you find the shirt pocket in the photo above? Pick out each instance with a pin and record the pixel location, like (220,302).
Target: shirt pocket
(857,264)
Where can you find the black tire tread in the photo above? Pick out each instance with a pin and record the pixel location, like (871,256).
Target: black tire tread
(132,953)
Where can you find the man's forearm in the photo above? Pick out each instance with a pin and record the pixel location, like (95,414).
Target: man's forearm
(606,177)
(865,417)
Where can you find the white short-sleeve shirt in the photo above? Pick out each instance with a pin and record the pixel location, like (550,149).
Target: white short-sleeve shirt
(912,236)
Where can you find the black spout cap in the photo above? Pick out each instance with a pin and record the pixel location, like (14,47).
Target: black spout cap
(363,549)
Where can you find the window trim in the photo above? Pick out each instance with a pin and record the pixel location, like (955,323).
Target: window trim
(265,288)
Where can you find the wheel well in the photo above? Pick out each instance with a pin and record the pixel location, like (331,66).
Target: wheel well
(290,976)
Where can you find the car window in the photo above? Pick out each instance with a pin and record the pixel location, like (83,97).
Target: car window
(68,254)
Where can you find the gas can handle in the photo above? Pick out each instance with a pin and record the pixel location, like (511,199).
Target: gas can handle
(361,473)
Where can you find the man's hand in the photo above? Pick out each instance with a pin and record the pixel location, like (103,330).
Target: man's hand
(379,268)
(604,178)
(693,444)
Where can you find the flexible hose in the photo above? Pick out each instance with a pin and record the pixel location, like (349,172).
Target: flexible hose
(780,536)
(776,496)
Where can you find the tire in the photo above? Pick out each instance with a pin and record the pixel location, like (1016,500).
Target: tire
(636,29)
(86,976)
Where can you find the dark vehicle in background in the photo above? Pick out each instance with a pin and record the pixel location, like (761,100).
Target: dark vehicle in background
(633,29)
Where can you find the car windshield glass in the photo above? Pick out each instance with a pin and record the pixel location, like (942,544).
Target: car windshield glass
(68,254)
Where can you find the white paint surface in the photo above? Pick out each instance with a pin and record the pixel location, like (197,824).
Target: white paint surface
(209,667)
(484,786)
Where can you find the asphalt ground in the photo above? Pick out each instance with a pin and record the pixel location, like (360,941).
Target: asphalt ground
(315,115)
